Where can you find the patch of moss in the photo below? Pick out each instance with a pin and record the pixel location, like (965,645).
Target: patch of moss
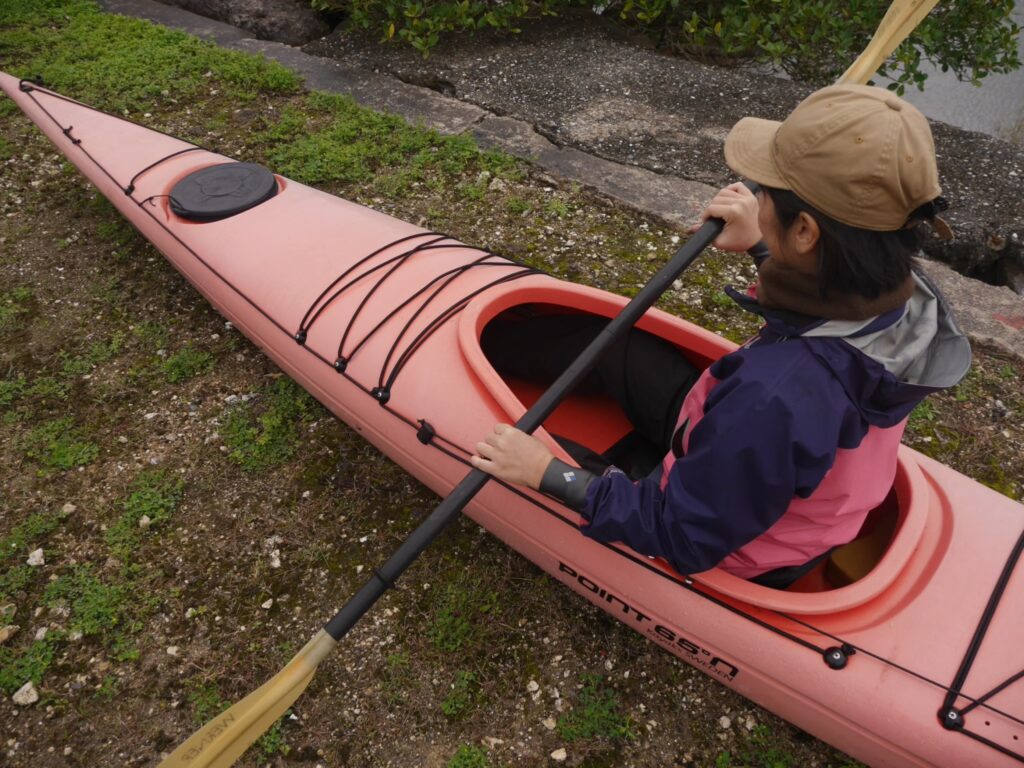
(595,715)
(187,363)
(59,444)
(468,756)
(14,305)
(155,496)
(28,533)
(17,667)
(265,433)
(457,617)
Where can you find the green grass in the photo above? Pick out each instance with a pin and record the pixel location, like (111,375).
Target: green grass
(468,756)
(153,495)
(760,749)
(459,616)
(16,579)
(58,444)
(18,667)
(28,533)
(98,608)
(596,715)
(266,433)
(100,352)
(187,363)
(117,63)
(331,139)
(462,695)
(13,304)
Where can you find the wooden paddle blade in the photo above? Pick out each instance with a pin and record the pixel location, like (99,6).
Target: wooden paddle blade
(220,742)
(899,21)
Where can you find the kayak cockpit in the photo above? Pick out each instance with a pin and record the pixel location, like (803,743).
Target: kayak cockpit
(855,574)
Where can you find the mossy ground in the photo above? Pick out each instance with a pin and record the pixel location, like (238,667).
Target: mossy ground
(200,516)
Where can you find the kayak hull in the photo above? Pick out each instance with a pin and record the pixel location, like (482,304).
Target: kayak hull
(865,667)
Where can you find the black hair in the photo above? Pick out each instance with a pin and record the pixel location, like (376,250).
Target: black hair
(852,260)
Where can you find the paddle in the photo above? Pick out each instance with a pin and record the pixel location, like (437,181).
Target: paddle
(899,21)
(223,740)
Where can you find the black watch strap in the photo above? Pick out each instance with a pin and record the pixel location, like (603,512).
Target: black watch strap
(567,484)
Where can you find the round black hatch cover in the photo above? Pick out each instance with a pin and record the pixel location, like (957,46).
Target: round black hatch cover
(221,191)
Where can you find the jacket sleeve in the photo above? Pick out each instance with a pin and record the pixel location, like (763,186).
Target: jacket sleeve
(761,442)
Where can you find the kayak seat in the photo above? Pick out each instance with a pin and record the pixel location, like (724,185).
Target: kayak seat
(852,562)
(855,560)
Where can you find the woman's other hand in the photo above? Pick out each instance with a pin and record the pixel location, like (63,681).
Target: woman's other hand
(737,206)
(513,456)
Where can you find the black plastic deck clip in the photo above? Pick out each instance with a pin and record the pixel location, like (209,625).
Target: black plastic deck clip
(425,433)
(381,395)
(67,132)
(340,364)
(300,337)
(837,656)
(951,719)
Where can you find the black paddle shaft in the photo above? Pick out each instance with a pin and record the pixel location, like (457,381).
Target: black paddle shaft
(461,495)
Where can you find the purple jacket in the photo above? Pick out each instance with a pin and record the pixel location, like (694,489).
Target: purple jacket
(786,444)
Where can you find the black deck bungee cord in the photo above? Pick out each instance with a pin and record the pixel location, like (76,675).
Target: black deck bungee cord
(448,278)
(437,322)
(28,87)
(307,321)
(131,184)
(395,262)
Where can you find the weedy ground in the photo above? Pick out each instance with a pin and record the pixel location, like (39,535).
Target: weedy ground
(200,516)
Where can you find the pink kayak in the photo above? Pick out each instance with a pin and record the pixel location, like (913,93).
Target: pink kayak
(905,648)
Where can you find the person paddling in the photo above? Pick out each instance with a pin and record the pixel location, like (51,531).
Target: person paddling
(776,453)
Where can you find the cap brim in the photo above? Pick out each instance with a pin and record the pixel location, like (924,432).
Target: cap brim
(749,151)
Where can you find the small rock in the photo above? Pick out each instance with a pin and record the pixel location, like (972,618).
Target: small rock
(172,650)
(533,686)
(75,636)
(122,439)
(6,633)
(559,755)
(724,722)
(275,558)
(41,633)
(268,605)
(36,558)
(68,508)
(67,751)
(497,185)
(550,723)
(190,613)
(490,742)
(145,522)
(26,695)
(151,416)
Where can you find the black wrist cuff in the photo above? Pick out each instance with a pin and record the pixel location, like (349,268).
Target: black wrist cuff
(567,484)
(759,251)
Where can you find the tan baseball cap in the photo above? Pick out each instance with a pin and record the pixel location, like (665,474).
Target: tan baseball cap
(857,153)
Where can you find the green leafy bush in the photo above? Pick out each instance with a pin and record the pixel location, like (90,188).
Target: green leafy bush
(812,40)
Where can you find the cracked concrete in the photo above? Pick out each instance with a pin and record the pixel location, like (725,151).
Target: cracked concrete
(588,104)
